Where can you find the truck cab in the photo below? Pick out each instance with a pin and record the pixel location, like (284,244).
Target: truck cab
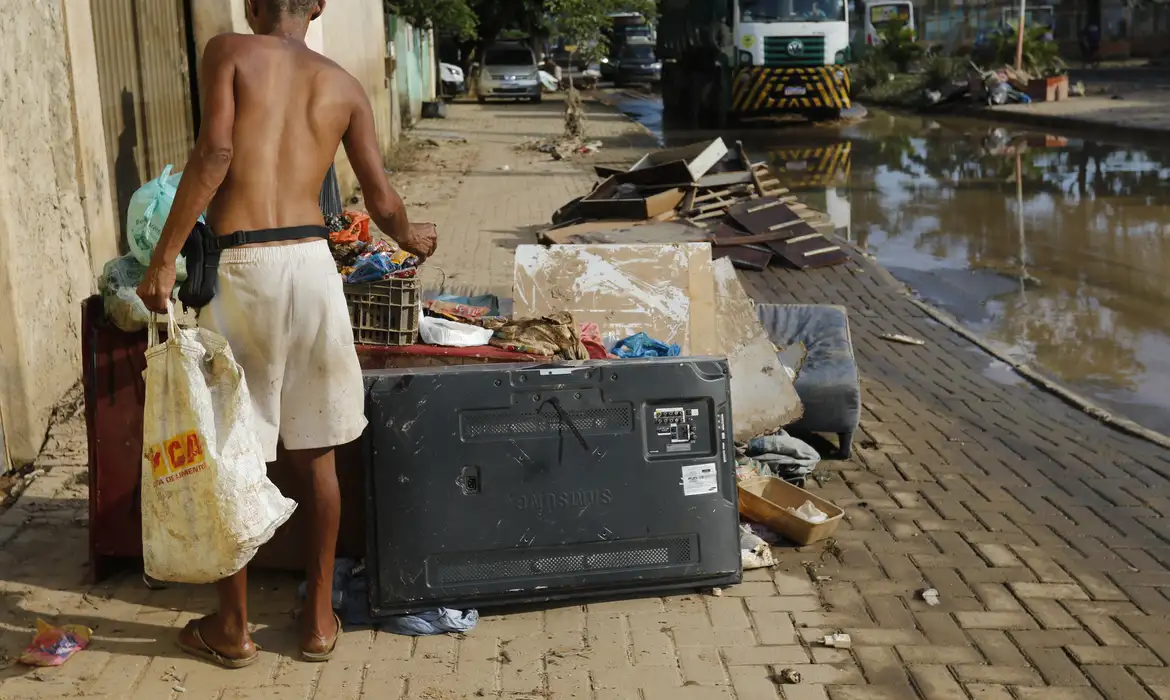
(792,33)
(733,60)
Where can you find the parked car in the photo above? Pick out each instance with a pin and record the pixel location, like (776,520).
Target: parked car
(453,83)
(508,70)
(638,64)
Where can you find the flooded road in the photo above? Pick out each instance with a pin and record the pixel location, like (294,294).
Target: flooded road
(1056,248)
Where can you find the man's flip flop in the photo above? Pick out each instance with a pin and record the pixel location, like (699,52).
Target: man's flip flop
(205,652)
(318,657)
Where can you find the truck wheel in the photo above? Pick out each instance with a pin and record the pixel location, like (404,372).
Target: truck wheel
(481,99)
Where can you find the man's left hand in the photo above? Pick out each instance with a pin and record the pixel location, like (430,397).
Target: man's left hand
(156,287)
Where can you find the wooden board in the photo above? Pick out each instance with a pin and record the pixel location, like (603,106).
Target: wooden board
(665,290)
(763,397)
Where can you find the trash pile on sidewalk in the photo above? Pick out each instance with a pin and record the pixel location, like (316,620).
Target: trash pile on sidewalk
(699,193)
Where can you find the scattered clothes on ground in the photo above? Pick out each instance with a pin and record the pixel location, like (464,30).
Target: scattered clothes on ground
(52,646)
(351,603)
(591,339)
(553,335)
(779,455)
(753,550)
(441,621)
(642,345)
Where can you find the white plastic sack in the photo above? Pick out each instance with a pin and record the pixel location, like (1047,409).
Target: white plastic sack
(207,503)
(147,213)
(440,331)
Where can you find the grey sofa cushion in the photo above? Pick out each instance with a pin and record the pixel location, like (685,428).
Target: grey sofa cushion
(827,383)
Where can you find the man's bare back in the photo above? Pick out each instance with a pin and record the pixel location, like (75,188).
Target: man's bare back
(292,108)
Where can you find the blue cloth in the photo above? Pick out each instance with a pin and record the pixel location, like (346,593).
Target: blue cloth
(642,345)
(350,602)
(441,621)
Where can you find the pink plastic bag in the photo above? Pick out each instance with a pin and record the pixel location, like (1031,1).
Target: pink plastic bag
(54,645)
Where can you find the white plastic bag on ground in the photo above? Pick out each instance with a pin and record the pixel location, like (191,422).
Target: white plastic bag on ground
(207,503)
(147,212)
(452,334)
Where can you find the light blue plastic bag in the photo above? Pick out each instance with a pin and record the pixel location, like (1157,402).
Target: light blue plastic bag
(148,211)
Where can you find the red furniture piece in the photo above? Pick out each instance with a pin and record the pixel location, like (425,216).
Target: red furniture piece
(112,365)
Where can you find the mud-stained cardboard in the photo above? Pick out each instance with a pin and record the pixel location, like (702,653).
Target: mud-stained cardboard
(667,291)
(763,397)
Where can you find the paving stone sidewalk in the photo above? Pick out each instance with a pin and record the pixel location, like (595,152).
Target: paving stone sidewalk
(1043,531)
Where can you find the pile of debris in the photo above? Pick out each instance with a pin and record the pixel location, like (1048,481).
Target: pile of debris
(694,194)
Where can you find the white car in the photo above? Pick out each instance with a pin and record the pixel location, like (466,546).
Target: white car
(451,77)
(509,71)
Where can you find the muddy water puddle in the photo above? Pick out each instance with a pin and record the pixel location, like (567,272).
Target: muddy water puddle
(1057,249)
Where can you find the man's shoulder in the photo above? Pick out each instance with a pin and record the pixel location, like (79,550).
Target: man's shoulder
(223,45)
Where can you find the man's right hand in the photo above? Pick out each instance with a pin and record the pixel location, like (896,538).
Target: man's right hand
(156,287)
(421,240)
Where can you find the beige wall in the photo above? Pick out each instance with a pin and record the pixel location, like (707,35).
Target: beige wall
(351,32)
(46,256)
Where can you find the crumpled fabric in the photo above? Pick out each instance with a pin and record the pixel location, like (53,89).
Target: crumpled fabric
(642,345)
(441,621)
(553,335)
(591,339)
(779,455)
(351,603)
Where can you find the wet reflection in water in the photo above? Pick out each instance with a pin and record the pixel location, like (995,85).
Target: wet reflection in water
(1081,289)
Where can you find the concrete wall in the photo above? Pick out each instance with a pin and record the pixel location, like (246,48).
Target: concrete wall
(414,78)
(48,173)
(355,37)
(350,32)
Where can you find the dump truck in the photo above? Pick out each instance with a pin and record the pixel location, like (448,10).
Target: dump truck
(732,60)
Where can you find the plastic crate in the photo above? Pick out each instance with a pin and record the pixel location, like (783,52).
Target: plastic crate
(384,313)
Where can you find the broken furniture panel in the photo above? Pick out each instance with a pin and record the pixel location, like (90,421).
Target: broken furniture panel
(763,398)
(614,200)
(667,291)
(697,158)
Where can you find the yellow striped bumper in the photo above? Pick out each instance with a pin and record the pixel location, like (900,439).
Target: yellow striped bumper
(758,90)
(825,166)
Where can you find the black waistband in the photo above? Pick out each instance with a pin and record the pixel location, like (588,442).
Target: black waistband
(271,235)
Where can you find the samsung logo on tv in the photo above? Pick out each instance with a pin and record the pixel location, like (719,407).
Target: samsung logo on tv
(565,499)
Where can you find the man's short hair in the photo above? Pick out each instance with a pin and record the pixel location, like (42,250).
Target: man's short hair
(296,8)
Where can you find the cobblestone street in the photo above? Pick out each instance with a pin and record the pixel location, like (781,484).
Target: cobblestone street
(1042,529)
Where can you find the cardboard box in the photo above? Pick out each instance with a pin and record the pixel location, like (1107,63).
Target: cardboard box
(602,204)
(1048,89)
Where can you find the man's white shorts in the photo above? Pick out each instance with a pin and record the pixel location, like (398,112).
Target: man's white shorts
(283,312)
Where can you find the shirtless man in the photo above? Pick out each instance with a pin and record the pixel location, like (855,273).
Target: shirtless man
(274,114)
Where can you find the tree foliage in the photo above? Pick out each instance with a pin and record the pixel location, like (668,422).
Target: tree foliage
(899,46)
(455,17)
(583,22)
